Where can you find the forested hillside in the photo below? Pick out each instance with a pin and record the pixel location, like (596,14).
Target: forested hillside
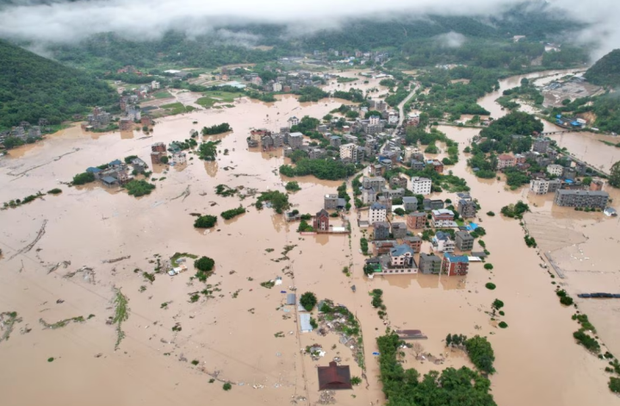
(32,87)
(606,71)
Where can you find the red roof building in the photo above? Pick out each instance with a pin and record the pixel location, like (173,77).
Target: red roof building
(334,377)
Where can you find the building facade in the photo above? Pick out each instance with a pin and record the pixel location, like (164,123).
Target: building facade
(467,208)
(581,198)
(399,230)
(381,230)
(454,265)
(555,170)
(421,186)
(321,221)
(464,241)
(377,212)
(416,220)
(430,264)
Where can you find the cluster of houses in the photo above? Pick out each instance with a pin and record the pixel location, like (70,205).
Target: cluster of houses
(159,151)
(118,172)
(396,247)
(24,131)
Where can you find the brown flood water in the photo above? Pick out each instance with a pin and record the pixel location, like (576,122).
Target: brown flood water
(231,335)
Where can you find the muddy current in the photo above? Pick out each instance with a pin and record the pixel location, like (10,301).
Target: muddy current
(64,256)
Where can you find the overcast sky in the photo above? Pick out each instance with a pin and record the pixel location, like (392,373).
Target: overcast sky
(63,21)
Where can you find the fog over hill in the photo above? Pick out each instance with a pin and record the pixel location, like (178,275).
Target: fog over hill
(69,21)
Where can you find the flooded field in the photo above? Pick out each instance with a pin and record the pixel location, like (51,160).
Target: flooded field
(64,256)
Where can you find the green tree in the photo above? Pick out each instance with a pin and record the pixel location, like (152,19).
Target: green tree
(614,176)
(206,221)
(481,353)
(308,300)
(83,178)
(204,264)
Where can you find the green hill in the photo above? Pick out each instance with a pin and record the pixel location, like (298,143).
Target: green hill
(606,71)
(32,87)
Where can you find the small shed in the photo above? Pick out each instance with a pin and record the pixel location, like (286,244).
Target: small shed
(304,323)
(109,180)
(291,299)
(334,377)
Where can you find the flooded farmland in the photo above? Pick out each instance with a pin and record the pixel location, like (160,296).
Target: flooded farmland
(240,332)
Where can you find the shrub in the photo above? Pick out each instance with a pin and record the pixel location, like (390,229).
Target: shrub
(292,186)
(204,264)
(502,324)
(566,300)
(227,386)
(195,362)
(488,267)
(590,343)
(163,159)
(308,301)
(356,380)
(614,384)
(83,178)
(205,221)
(139,188)
(490,286)
(490,213)
(54,191)
(228,214)
(481,354)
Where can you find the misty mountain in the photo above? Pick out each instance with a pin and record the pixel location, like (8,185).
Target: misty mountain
(606,71)
(33,87)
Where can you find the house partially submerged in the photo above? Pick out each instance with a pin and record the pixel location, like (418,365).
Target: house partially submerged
(334,377)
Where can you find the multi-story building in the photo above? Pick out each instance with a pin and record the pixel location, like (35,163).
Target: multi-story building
(369,196)
(542,186)
(330,202)
(464,241)
(335,141)
(295,140)
(376,182)
(348,152)
(401,260)
(383,247)
(410,203)
(430,264)
(555,169)
(399,230)
(321,221)
(442,218)
(421,186)
(596,185)
(391,194)
(417,165)
(569,173)
(414,242)
(467,208)
(454,265)
(581,198)
(292,121)
(505,161)
(377,212)
(442,242)
(434,204)
(381,230)
(541,145)
(398,182)
(416,220)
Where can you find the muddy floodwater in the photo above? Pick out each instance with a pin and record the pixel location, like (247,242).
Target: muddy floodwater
(64,255)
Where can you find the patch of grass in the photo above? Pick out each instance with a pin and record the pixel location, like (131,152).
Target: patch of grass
(62,323)
(195,362)
(177,108)
(121,314)
(162,95)
(178,255)
(268,284)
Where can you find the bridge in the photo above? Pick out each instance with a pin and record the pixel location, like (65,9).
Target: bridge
(556,132)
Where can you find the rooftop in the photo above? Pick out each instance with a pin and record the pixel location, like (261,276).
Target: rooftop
(455,258)
(377,206)
(402,249)
(582,192)
(334,377)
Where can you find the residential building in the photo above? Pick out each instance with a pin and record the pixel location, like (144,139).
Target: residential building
(401,260)
(430,264)
(442,242)
(539,186)
(383,247)
(399,230)
(581,198)
(385,202)
(442,218)
(391,194)
(410,203)
(520,159)
(398,182)
(348,152)
(505,161)
(377,212)
(369,196)
(414,242)
(555,169)
(321,221)
(434,204)
(421,186)
(464,241)
(416,220)
(417,165)
(596,185)
(179,158)
(467,208)
(454,265)
(334,376)
(330,202)
(335,141)
(569,173)
(277,87)
(381,230)
(295,140)
(541,145)
(376,182)
(376,170)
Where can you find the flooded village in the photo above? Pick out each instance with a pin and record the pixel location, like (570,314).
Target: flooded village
(381,250)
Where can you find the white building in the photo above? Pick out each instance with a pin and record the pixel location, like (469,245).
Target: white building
(293,121)
(442,242)
(539,186)
(155,85)
(277,87)
(554,169)
(348,151)
(369,196)
(179,158)
(392,118)
(421,186)
(377,213)
(374,120)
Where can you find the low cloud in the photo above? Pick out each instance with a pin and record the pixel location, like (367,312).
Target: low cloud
(68,21)
(451,40)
